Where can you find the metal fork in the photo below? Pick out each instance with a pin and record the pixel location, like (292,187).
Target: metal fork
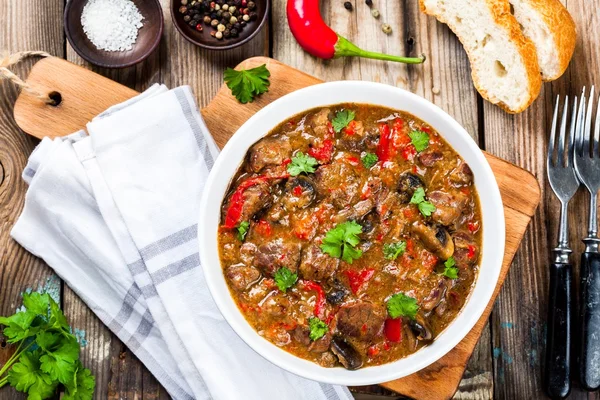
(564,183)
(587,166)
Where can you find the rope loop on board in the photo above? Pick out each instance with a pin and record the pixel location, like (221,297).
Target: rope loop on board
(7,74)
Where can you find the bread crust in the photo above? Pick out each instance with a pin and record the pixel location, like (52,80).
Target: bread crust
(500,11)
(563,29)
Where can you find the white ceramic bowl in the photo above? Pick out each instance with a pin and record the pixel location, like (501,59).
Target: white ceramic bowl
(358,92)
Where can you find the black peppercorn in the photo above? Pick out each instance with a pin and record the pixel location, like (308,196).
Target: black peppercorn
(192,23)
(243,23)
(219,14)
(237,26)
(251,5)
(213,15)
(226,33)
(187,18)
(348,6)
(369,2)
(228,26)
(226,15)
(234,32)
(253,16)
(183,9)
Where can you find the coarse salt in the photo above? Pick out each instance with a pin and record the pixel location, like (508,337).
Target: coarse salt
(111,25)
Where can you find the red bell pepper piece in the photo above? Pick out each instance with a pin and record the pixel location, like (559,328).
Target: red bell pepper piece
(385,143)
(324,152)
(358,279)
(393,329)
(320,302)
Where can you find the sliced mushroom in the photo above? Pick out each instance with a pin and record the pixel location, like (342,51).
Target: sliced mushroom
(435,296)
(348,356)
(421,328)
(300,193)
(337,293)
(407,185)
(436,238)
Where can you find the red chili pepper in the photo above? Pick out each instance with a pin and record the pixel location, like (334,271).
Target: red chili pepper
(383,148)
(471,252)
(393,329)
(318,39)
(236,202)
(323,152)
(350,129)
(409,152)
(473,226)
(320,302)
(358,279)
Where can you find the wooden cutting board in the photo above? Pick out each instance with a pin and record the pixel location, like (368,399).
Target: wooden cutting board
(85,94)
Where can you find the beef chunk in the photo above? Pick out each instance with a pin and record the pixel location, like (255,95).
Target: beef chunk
(242,276)
(300,192)
(449,206)
(466,251)
(276,305)
(461,175)
(318,122)
(317,266)
(353,137)
(338,182)
(247,251)
(269,151)
(320,345)
(301,335)
(429,158)
(277,254)
(277,335)
(356,212)
(361,320)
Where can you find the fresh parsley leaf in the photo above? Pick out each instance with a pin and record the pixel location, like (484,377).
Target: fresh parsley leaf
(342,119)
(450,269)
(242,230)
(341,241)
(302,163)
(391,251)
(419,139)
(425,207)
(37,303)
(57,318)
(27,377)
(246,84)
(285,279)
(82,386)
(60,362)
(369,160)
(318,328)
(19,326)
(401,305)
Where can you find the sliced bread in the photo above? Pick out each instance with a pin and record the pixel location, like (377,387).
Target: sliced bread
(551,29)
(504,63)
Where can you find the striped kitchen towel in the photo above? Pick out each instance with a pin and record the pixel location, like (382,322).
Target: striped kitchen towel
(115,215)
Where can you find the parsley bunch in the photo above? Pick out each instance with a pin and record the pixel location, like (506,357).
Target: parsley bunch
(47,354)
(246,84)
(425,207)
(341,241)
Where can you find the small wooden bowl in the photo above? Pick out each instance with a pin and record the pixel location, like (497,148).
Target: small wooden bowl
(205,40)
(148,36)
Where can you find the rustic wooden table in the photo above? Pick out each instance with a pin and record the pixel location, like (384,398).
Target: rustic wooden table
(509,359)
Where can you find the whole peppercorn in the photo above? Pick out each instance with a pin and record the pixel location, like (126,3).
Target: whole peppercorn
(234,32)
(253,16)
(386,28)
(183,9)
(228,26)
(225,7)
(214,22)
(226,16)
(219,35)
(232,10)
(348,6)
(369,2)
(251,5)
(244,3)
(243,23)
(192,23)
(237,26)
(245,11)
(199,27)
(233,20)
(237,3)
(213,33)
(220,28)
(197,17)
(207,19)
(184,2)
(219,14)
(213,15)
(187,18)
(217,7)
(246,18)
(375,13)
(226,33)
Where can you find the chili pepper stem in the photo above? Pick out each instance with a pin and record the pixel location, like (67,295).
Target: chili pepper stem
(345,48)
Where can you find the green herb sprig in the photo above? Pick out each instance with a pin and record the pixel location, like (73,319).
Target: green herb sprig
(391,251)
(425,207)
(285,279)
(246,84)
(401,305)
(419,139)
(302,163)
(47,354)
(318,328)
(342,119)
(341,242)
(450,269)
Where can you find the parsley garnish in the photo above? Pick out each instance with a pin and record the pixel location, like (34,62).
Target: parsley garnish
(302,163)
(391,251)
(341,241)
(318,328)
(242,230)
(342,119)
(401,305)
(425,207)
(450,269)
(246,84)
(369,160)
(285,279)
(419,139)
(54,359)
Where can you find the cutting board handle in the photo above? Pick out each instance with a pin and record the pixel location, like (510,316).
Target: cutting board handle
(43,94)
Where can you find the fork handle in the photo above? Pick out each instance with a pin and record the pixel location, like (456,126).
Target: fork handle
(589,357)
(558,341)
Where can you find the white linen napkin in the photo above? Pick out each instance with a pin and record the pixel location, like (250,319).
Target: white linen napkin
(115,215)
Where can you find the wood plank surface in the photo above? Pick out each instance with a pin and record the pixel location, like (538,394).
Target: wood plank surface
(509,360)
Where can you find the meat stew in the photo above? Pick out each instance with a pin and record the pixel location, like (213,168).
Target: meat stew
(351,235)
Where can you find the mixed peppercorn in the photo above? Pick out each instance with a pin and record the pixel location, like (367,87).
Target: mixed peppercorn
(226,18)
